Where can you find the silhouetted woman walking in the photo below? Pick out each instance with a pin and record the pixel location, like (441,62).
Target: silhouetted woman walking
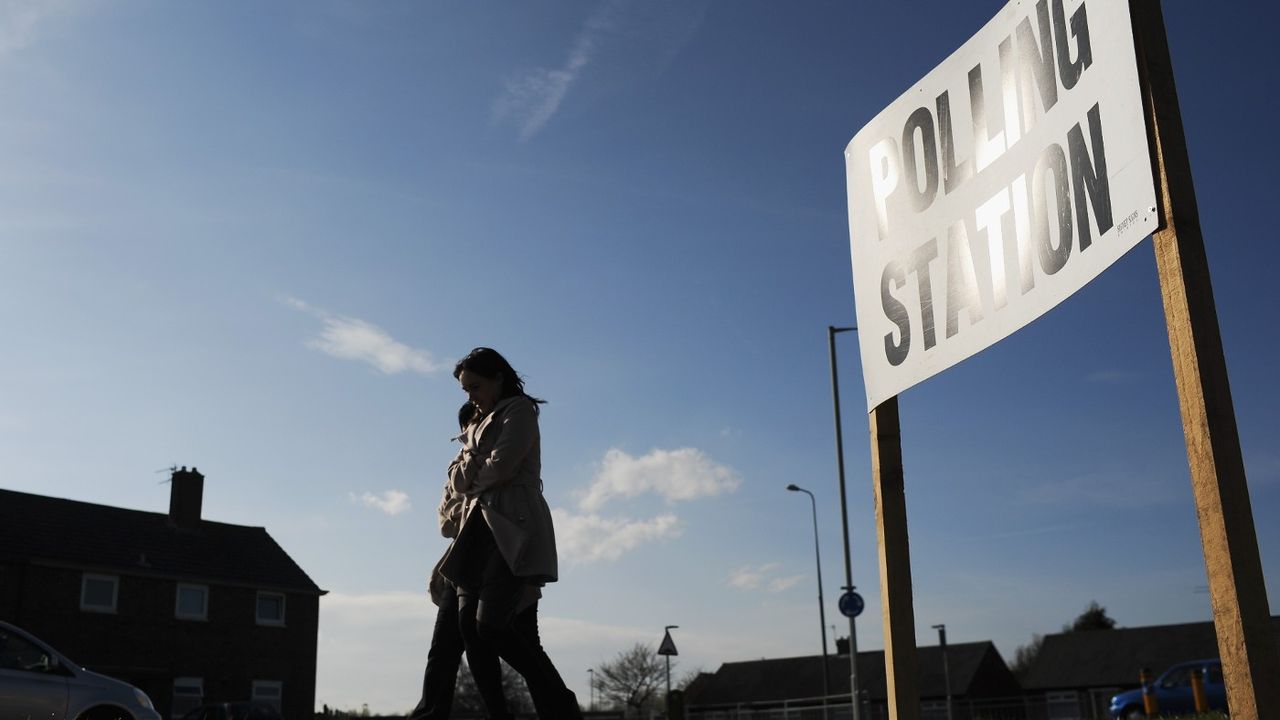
(506,548)
(445,655)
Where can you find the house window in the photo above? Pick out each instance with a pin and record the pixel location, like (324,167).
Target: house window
(192,602)
(270,608)
(98,593)
(269,692)
(188,694)
(1063,706)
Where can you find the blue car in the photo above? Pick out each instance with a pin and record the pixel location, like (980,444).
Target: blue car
(1173,691)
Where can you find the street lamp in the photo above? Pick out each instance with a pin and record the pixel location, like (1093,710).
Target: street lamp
(946,670)
(591,687)
(822,614)
(844,516)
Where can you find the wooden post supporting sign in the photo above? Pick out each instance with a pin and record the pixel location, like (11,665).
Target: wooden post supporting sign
(901,668)
(1246,644)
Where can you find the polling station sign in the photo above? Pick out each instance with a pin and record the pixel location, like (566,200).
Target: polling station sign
(1002,182)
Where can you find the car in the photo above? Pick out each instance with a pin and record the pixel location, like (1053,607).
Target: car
(37,681)
(233,711)
(1173,691)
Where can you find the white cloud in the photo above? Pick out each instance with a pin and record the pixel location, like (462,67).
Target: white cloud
(354,339)
(391,502)
(762,578)
(530,100)
(372,648)
(567,633)
(590,538)
(585,536)
(682,474)
(749,578)
(786,583)
(298,304)
(19,20)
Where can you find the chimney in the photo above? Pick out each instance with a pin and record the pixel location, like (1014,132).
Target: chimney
(186,493)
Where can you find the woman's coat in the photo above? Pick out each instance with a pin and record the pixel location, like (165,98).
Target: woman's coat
(498,472)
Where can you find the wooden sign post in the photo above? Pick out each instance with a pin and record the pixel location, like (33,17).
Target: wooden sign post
(1246,644)
(901,669)
(1106,75)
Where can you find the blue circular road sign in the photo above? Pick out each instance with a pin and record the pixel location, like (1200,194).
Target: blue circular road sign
(851,604)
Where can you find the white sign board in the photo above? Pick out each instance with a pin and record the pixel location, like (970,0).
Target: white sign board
(1005,180)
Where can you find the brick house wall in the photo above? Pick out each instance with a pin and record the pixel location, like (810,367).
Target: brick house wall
(145,644)
(47,545)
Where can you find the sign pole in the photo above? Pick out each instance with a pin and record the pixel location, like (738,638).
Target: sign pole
(1236,586)
(844,520)
(668,648)
(900,664)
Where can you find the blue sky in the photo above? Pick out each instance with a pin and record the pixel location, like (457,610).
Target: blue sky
(254,238)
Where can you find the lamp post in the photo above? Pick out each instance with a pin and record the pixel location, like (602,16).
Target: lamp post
(832,331)
(591,688)
(822,614)
(946,669)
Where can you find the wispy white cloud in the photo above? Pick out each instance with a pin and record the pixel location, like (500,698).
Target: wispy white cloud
(750,578)
(762,577)
(531,99)
(572,633)
(358,635)
(350,338)
(676,475)
(587,538)
(391,502)
(784,583)
(20,19)
(371,646)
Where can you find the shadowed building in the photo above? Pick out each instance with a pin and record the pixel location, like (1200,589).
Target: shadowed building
(187,609)
(1077,673)
(977,671)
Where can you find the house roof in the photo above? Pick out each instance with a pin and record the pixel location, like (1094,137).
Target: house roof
(976,669)
(1113,658)
(37,528)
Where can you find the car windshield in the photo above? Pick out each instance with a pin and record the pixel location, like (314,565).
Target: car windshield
(18,653)
(1177,678)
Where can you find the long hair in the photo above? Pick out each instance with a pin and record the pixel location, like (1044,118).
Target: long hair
(489,363)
